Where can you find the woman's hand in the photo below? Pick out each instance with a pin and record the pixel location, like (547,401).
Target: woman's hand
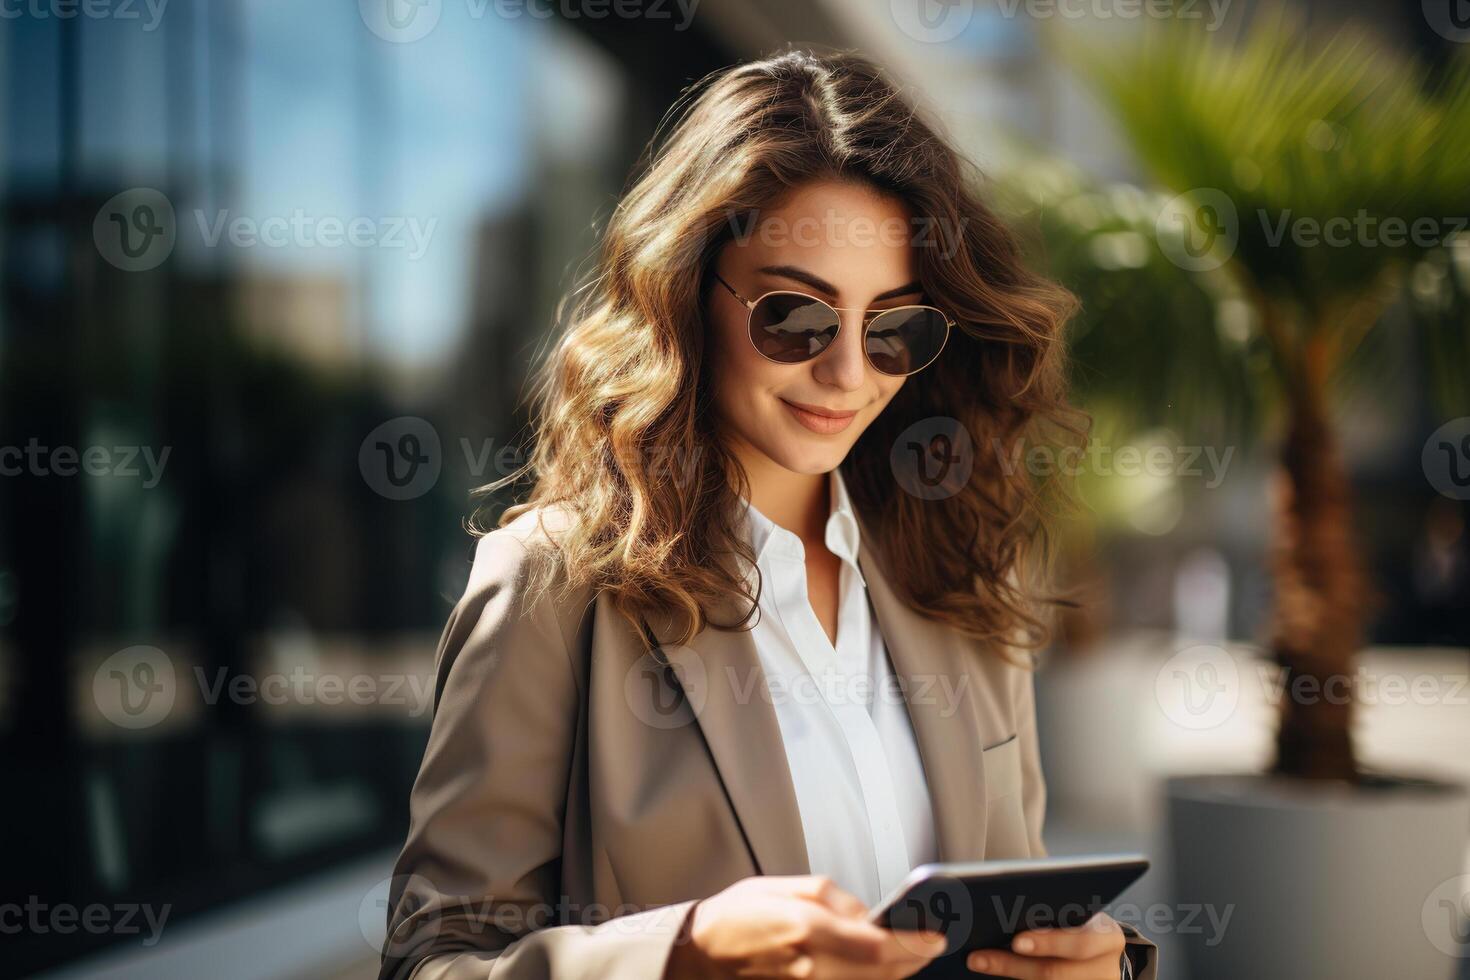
(798,926)
(1091,951)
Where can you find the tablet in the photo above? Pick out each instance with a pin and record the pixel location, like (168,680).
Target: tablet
(984,905)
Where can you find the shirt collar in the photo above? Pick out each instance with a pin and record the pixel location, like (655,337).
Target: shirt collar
(842,535)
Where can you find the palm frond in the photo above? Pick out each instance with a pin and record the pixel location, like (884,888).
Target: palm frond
(1298,133)
(1153,344)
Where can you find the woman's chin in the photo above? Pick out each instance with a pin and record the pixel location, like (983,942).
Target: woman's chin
(810,456)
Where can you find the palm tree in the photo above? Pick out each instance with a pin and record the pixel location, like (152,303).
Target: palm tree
(1312,173)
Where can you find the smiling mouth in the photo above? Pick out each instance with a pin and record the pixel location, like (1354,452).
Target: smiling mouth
(821,421)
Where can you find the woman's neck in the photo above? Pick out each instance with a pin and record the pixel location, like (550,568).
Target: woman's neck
(799,502)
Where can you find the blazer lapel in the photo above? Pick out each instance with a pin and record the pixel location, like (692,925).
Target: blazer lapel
(722,679)
(932,663)
(720,673)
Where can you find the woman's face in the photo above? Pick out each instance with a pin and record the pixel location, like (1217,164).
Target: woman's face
(840,242)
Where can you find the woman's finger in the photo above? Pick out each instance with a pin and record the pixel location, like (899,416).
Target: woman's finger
(1000,963)
(828,965)
(927,943)
(857,941)
(827,892)
(1084,942)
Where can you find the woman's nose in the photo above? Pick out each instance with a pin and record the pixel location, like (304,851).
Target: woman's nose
(844,365)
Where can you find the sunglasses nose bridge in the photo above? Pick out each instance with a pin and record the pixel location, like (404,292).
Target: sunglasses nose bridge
(845,356)
(854,324)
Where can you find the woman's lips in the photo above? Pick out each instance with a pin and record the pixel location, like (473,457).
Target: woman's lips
(823,422)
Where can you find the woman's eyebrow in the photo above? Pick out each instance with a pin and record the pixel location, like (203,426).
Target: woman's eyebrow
(823,286)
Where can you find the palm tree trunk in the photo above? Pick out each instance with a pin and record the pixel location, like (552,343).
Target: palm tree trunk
(1320,593)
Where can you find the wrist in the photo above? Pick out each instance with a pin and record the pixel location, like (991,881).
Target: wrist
(686,960)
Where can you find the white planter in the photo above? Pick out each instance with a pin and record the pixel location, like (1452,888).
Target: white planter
(1321,881)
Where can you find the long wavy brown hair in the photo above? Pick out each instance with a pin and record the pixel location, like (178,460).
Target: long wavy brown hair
(624,442)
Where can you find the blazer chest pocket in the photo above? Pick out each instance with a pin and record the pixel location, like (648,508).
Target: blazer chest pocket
(1005,830)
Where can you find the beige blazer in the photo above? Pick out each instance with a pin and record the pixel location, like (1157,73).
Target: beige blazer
(578,794)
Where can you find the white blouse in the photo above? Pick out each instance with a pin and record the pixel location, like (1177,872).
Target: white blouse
(860,787)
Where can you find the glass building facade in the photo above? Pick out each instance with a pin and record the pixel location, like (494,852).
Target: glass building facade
(272,274)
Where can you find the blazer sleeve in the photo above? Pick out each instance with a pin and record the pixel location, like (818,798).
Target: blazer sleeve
(1033,783)
(475,889)
(1141,953)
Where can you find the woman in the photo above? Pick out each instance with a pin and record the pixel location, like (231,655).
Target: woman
(752,648)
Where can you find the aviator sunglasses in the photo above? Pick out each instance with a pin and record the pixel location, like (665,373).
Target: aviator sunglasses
(790,327)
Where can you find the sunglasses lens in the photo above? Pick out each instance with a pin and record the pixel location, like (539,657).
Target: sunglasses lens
(905,340)
(789,328)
